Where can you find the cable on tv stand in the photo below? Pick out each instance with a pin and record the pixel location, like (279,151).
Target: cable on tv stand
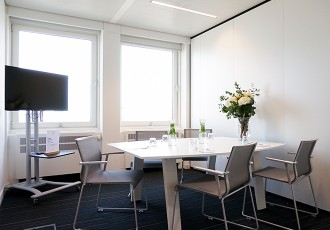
(30,184)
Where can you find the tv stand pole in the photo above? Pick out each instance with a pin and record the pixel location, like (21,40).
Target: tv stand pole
(32,117)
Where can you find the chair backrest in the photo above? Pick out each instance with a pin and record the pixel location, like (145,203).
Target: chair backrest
(303,157)
(193,133)
(238,166)
(89,150)
(145,135)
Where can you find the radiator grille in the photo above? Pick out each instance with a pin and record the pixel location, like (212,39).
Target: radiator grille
(66,143)
(131,137)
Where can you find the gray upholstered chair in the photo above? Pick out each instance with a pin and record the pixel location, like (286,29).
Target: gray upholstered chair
(93,171)
(293,172)
(237,176)
(192,133)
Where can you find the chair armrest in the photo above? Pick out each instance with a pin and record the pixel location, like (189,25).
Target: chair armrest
(210,171)
(92,162)
(106,154)
(107,157)
(282,161)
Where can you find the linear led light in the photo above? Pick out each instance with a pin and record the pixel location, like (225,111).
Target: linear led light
(184,9)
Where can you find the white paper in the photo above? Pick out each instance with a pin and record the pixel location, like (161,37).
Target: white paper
(52,140)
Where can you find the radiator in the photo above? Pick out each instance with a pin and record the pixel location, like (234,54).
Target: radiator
(129,136)
(66,143)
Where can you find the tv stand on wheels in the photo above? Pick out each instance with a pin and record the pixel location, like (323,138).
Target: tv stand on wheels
(30,184)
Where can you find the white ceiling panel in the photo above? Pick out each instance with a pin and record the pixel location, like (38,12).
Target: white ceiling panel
(144,14)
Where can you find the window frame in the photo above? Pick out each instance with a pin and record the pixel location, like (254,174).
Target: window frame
(176,49)
(18,25)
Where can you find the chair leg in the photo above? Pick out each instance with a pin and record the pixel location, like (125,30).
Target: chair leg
(98,196)
(295,206)
(203,205)
(225,216)
(316,207)
(253,206)
(132,192)
(300,210)
(78,206)
(135,214)
(295,203)
(224,213)
(101,209)
(283,206)
(244,201)
(145,197)
(261,220)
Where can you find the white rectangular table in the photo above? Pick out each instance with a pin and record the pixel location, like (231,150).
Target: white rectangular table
(220,146)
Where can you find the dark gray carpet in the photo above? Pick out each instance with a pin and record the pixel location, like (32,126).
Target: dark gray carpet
(18,211)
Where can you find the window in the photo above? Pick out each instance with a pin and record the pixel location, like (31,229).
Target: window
(149,85)
(63,51)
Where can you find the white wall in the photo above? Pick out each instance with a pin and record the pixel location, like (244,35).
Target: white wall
(3,163)
(283,48)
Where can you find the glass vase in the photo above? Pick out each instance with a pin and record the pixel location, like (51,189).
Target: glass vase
(202,137)
(243,128)
(171,140)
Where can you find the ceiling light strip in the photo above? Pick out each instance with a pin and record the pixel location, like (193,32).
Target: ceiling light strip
(184,9)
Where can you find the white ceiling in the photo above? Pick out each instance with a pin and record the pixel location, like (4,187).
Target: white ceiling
(143,14)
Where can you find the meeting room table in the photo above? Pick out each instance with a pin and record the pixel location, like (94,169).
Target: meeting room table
(189,147)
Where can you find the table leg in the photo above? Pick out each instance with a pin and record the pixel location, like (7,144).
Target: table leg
(170,180)
(259,185)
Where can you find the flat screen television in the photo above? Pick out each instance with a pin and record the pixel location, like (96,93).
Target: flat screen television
(27,89)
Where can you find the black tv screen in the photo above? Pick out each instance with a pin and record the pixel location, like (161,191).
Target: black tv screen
(27,89)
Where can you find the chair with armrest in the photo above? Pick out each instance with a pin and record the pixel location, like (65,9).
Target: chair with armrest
(192,133)
(93,171)
(293,172)
(237,176)
(146,135)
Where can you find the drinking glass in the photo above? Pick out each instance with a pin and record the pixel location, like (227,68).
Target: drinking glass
(210,139)
(192,144)
(152,142)
(165,138)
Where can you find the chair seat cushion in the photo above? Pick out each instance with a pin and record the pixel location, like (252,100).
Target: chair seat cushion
(274,174)
(132,177)
(205,184)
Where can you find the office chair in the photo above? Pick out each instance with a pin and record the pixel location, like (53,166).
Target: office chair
(237,176)
(92,172)
(192,133)
(294,171)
